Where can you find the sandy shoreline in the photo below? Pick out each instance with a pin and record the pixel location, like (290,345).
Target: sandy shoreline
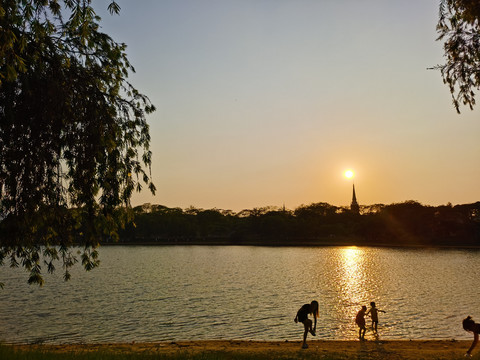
(388,349)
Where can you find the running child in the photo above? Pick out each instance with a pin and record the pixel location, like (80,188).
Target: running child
(373,311)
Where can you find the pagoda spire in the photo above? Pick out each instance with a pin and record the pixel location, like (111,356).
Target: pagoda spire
(354,205)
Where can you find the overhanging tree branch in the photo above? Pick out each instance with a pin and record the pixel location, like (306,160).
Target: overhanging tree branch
(459,29)
(72,129)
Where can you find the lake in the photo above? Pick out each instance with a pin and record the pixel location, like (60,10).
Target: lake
(172,293)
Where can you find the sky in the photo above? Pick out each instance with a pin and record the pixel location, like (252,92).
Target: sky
(268,102)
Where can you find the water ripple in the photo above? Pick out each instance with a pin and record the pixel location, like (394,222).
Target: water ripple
(253,293)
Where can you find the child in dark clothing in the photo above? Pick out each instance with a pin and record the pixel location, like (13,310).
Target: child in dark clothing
(374,315)
(302,316)
(472,326)
(360,321)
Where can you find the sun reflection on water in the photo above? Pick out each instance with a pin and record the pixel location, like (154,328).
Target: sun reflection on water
(353,266)
(252,293)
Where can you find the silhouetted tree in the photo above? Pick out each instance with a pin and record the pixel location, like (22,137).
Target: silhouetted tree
(459,29)
(74,141)
(371,209)
(408,223)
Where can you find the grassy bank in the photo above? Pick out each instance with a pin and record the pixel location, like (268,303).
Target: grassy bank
(13,353)
(241,350)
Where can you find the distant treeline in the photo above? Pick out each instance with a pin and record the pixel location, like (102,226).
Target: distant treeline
(401,224)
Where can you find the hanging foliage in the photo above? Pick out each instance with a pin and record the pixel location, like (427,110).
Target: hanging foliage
(459,29)
(74,141)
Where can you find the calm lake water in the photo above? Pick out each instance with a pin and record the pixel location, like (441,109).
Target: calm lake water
(167,293)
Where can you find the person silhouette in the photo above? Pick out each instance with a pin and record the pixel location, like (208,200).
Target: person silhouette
(302,316)
(360,321)
(471,326)
(373,311)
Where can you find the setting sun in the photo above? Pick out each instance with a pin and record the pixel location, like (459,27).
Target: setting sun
(348,174)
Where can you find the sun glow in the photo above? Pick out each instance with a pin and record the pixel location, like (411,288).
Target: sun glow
(348,174)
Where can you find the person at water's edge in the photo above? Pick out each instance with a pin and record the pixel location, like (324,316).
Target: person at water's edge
(302,316)
(471,326)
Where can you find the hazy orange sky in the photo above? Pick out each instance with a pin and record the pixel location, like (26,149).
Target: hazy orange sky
(268,102)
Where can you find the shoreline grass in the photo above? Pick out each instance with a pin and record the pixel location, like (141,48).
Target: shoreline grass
(242,350)
(10,353)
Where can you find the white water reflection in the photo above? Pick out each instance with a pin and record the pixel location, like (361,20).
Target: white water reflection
(352,281)
(181,293)
(352,275)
